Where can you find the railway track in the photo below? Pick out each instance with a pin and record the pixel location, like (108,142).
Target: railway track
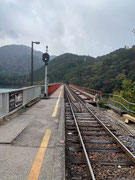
(93,150)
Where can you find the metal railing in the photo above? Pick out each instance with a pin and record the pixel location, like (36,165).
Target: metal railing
(119,102)
(51,88)
(91,91)
(19,96)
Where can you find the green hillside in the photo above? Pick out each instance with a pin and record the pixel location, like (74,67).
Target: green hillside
(8,81)
(62,67)
(109,71)
(16,60)
(105,73)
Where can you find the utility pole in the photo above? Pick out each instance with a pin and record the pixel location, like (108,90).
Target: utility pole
(32,63)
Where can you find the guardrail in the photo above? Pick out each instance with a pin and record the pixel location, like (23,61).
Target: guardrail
(51,88)
(112,99)
(91,91)
(10,101)
(119,102)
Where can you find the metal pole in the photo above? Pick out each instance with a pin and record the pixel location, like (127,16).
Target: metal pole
(120,103)
(32,63)
(46,87)
(113,100)
(128,106)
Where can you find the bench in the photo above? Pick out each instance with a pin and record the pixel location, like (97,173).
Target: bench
(128,118)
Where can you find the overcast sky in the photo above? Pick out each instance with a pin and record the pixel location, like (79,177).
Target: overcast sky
(88,27)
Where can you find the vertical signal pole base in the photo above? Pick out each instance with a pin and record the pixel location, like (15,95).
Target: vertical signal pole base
(46,85)
(45,59)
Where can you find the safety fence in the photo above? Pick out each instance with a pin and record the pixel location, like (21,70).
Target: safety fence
(10,101)
(90,91)
(111,99)
(52,88)
(119,102)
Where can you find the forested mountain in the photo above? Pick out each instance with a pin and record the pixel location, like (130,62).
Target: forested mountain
(16,60)
(105,73)
(7,81)
(62,67)
(109,71)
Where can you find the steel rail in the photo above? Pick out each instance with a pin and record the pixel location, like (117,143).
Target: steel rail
(75,106)
(71,92)
(81,140)
(73,99)
(125,149)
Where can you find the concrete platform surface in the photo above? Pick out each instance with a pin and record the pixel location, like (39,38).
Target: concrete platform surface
(32,145)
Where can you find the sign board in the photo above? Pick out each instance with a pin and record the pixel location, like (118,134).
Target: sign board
(15,100)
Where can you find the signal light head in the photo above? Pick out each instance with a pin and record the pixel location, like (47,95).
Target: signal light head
(45,57)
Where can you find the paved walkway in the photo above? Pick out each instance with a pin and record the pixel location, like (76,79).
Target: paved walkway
(32,145)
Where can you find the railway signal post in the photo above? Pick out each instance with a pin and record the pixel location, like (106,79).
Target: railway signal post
(45,59)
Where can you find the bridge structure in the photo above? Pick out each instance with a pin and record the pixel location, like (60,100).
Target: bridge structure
(32,132)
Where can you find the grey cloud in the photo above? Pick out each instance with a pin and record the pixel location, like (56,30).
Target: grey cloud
(83,27)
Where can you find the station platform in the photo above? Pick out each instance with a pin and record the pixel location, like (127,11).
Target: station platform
(32,144)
